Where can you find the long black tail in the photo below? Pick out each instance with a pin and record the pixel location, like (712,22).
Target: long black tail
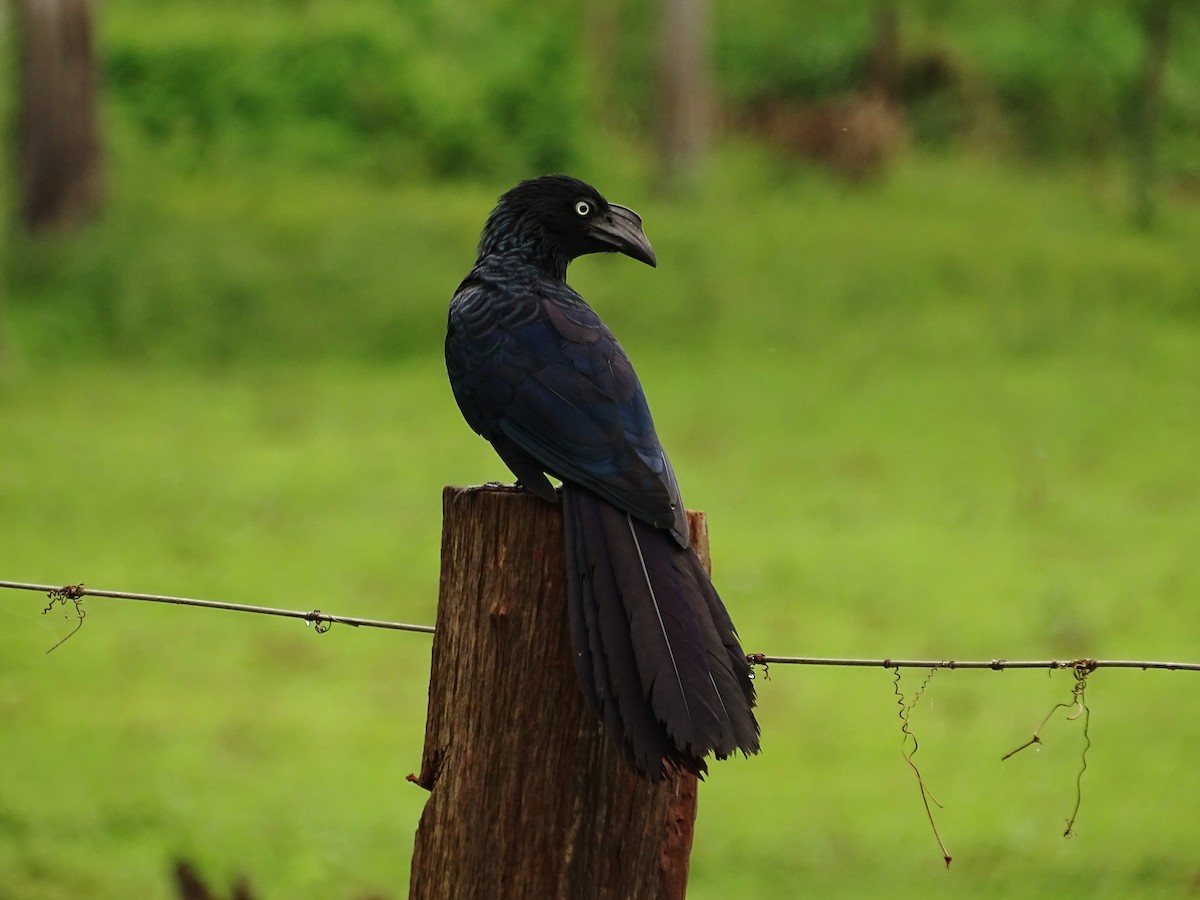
(656,653)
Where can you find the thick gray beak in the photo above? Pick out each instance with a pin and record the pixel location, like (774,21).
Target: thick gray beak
(621,229)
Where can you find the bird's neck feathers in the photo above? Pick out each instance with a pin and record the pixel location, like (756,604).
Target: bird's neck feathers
(520,238)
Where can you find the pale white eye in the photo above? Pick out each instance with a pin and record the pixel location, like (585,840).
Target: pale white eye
(582,207)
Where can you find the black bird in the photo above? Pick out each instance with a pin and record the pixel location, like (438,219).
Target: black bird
(537,373)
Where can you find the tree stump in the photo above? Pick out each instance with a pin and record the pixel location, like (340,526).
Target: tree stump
(528,797)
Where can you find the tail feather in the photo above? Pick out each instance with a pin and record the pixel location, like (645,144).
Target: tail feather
(728,648)
(656,653)
(603,646)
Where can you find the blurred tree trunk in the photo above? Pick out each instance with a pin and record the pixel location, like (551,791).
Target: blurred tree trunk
(60,177)
(883,62)
(603,32)
(5,127)
(685,117)
(1155,18)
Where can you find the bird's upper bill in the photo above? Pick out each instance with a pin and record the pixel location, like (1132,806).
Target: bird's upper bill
(621,229)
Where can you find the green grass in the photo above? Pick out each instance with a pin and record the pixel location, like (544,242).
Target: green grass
(244,263)
(954,414)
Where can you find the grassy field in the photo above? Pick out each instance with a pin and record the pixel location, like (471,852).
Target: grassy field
(953,414)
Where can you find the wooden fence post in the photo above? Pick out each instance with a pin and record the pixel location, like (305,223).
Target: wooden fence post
(527,796)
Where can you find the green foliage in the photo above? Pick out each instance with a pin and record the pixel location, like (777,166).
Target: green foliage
(423,92)
(1062,74)
(1051,79)
(810,51)
(501,89)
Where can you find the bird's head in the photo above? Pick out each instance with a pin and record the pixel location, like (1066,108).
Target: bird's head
(559,218)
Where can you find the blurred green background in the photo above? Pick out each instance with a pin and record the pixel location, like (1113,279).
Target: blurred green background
(946,404)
